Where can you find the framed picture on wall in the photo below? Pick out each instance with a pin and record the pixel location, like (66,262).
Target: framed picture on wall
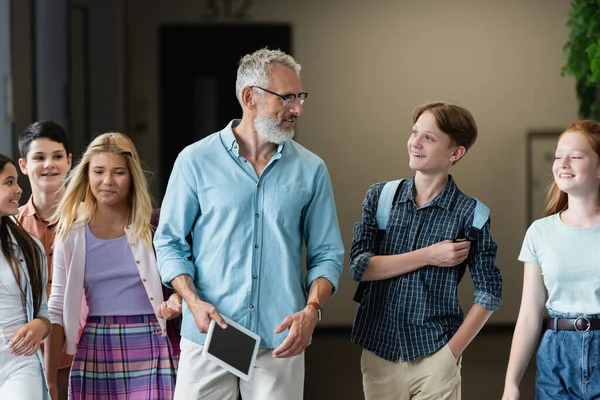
(540,148)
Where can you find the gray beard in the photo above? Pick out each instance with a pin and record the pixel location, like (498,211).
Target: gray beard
(269,129)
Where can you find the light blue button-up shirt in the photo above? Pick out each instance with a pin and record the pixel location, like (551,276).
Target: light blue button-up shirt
(248,232)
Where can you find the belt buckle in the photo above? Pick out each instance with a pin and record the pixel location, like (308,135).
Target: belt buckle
(587,327)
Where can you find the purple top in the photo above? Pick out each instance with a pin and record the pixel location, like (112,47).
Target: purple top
(112,281)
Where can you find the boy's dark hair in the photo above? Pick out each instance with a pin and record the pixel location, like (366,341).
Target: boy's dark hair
(452,119)
(43,129)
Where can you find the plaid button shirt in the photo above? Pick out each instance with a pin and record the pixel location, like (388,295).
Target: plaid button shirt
(415,314)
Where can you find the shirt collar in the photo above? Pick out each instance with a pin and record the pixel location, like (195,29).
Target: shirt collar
(230,143)
(443,199)
(29,210)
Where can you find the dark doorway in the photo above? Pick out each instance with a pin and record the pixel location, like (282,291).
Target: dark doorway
(198,66)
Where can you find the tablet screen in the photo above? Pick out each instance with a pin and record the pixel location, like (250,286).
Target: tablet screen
(233,347)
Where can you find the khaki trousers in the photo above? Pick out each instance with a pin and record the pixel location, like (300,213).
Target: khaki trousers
(272,378)
(433,377)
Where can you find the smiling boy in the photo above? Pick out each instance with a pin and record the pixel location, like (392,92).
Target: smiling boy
(46,160)
(409,322)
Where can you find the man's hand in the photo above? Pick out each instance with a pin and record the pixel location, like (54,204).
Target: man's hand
(203,313)
(171,308)
(301,326)
(448,253)
(26,340)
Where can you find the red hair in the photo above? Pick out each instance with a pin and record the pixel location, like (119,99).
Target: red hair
(556,199)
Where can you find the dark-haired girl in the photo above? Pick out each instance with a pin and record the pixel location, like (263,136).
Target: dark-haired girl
(24,319)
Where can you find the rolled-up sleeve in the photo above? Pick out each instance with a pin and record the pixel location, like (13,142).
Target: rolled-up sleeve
(324,247)
(364,238)
(486,275)
(179,209)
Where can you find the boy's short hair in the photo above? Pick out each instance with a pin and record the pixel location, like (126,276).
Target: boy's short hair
(452,119)
(43,129)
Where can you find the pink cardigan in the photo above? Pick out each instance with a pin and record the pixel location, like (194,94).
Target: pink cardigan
(67,305)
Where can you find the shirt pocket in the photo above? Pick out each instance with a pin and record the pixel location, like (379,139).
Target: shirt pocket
(285,204)
(441,229)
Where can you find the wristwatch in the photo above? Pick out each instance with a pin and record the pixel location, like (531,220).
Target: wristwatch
(317,307)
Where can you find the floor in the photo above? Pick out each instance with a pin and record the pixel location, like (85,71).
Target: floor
(333,367)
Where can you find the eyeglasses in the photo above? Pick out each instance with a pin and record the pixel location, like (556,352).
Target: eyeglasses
(288,99)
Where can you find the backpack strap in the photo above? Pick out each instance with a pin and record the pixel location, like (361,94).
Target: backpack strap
(480,217)
(384,208)
(384,205)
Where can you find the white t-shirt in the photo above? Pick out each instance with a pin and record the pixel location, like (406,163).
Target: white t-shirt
(570,261)
(12,312)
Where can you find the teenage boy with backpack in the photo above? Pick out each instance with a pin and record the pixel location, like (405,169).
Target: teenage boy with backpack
(409,253)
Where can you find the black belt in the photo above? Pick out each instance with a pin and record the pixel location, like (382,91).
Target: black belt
(581,324)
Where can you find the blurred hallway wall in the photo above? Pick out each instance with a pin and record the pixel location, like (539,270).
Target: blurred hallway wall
(366,66)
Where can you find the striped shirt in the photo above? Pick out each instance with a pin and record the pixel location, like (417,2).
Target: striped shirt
(415,314)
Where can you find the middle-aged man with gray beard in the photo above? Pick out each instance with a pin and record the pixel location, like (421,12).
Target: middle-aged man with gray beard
(250,196)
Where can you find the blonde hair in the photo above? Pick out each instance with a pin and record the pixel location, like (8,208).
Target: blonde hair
(556,199)
(79,195)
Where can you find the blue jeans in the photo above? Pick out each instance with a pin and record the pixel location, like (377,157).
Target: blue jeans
(568,364)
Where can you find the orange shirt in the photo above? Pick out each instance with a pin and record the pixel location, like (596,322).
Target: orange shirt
(41,229)
(45,232)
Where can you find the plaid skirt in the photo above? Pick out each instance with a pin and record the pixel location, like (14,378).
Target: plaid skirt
(123,357)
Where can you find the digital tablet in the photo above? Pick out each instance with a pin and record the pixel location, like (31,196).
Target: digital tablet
(234,348)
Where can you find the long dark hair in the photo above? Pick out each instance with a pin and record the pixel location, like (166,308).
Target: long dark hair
(31,252)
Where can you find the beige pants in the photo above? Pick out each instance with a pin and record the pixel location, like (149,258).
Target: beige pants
(434,377)
(272,378)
